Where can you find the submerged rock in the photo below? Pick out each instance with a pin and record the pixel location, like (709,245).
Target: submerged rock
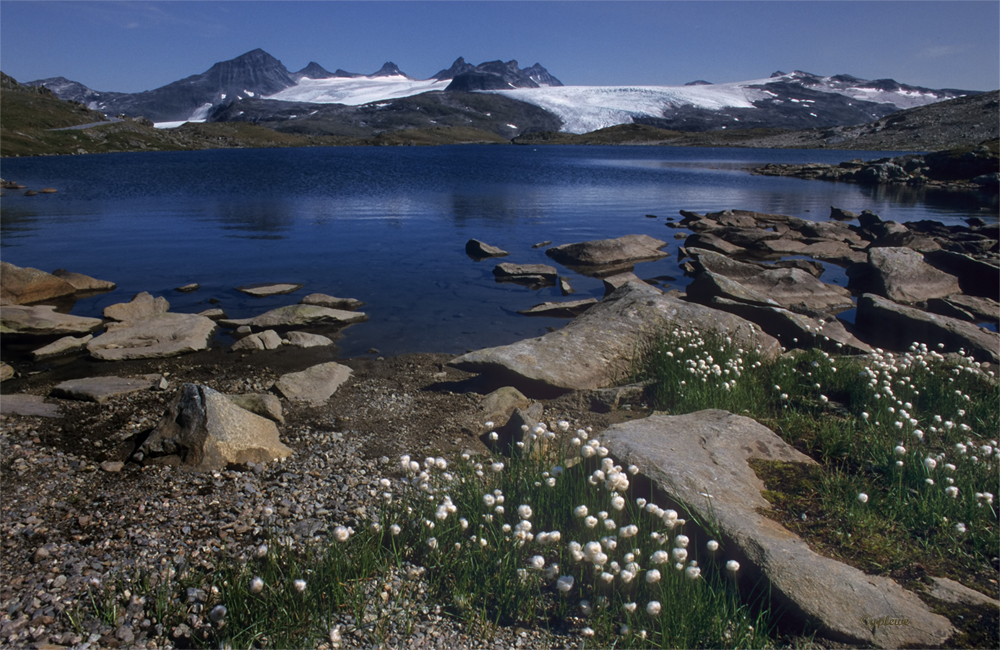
(297,316)
(323,300)
(269,289)
(568,309)
(84,283)
(608,252)
(43,320)
(541,274)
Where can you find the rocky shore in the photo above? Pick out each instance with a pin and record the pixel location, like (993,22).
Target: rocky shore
(149,449)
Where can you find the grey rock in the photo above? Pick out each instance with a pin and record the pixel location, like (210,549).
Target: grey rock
(886,324)
(498,406)
(308,528)
(208,432)
(902,275)
(266,340)
(6,371)
(841,214)
(307,340)
(976,277)
(297,316)
(951,591)
(262,404)
(707,285)
(525,273)
(112,466)
(542,244)
(141,307)
(593,349)
(701,460)
(99,389)
(314,385)
(189,288)
(43,320)
(62,346)
(569,309)
(612,282)
(603,252)
(481,250)
(214,313)
(711,242)
(565,287)
(19,286)
(269,289)
(323,300)
(971,308)
(28,405)
(84,283)
(164,335)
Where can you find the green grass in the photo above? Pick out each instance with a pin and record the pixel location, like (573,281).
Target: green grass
(872,422)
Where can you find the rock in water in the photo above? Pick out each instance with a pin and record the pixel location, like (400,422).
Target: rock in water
(142,306)
(902,275)
(83,282)
(297,316)
(481,250)
(606,252)
(700,459)
(19,286)
(208,432)
(263,290)
(594,348)
(323,300)
(542,274)
(163,335)
(314,385)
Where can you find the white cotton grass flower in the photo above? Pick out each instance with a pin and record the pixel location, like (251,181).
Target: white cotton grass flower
(433,543)
(653,576)
(732,566)
(341,533)
(681,541)
(524,511)
(586,608)
(395,530)
(536,562)
(590,521)
(587,632)
(261,551)
(930,464)
(217,614)
(951,491)
(692,572)
(565,584)
(653,608)
(300,585)
(712,545)
(580,511)
(256,585)
(659,557)
(618,503)
(679,554)
(960,528)
(862,497)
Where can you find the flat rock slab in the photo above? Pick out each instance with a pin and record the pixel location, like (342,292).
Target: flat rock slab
(604,252)
(142,306)
(266,340)
(263,290)
(525,273)
(163,335)
(84,283)
(887,324)
(595,348)
(65,345)
(43,320)
(314,385)
(567,309)
(208,432)
(612,282)
(28,405)
(323,300)
(297,316)
(100,389)
(902,275)
(307,340)
(707,453)
(19,286)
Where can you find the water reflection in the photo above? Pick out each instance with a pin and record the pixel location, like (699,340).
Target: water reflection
(257,220)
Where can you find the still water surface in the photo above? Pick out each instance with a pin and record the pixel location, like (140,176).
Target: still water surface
(388,225)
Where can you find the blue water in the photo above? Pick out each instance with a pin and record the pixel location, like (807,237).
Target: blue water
(388,225)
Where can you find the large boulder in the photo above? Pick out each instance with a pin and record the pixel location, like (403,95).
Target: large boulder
(976,277)
(594,349)
(701,460)
(608,252)
(163,335)
(902,275)
(790,287)
(204,430)
(294,316)
(19,286)
(84,283)
(43,320)
(890,325)
(313,385)
(142,306)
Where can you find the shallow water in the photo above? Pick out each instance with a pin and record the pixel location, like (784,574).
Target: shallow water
(388,225)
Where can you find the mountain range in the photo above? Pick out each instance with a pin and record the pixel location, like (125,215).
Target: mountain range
(495,96)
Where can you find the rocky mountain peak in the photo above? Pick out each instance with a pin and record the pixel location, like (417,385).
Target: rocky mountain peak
(314,71)
(389,69)
(541,76)
(457,68)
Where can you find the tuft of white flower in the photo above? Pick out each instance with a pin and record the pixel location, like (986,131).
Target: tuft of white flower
(524,511)
(300,585)
(590,521)
(732,566)
(652,576)
(862,497)
(900,450)
(681,541)
(930,463)
(536,562)
(618,503)
(692,572)
(587,631)
(261,551)
(256,585)
(565,583)
(960,528)
(679,554)
(712,545)
(497,466)
(217,614)
(432,542)
(660,557)
(653,608)
(585,608)
(951,491)
(580,511)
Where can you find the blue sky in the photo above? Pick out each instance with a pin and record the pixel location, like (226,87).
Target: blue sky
(133,46)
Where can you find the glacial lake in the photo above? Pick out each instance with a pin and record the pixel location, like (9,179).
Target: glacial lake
(388,226)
